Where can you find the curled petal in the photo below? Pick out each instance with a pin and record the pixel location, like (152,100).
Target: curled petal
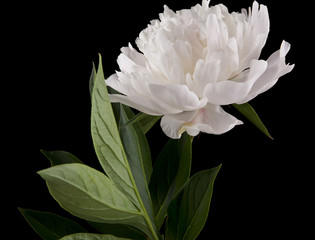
(235,90)
(171,127)
(276,68)
(210,119)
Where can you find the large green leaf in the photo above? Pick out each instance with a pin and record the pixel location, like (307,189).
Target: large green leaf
(106,139)
(188,211)
(247,111)
(119,230)
(110,150)
(60,157)
(50,226)
(170,173)
(92,236)
(89,194)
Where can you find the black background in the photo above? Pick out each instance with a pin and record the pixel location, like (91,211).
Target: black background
(264,186)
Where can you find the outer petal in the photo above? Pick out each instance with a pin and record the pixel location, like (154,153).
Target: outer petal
(276,68)
(134,55)
(210,119)
(234,90)
(123,87)
(171,127)
(144,104)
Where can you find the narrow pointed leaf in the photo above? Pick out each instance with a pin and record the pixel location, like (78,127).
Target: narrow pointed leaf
(138,154)
(89,194)
(50,226)
(92,236)
(60,157)
(135,144)
(148,121)
(92,79)
(170,173)
(136,118)
(247,111)
(188,211)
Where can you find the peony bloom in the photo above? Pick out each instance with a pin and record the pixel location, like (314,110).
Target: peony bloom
(195,60)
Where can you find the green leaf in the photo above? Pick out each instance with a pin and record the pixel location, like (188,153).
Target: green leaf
(92,236)
(106,139)
(171,171)
(89,194)
(50,226)
(146,121)
(92,79)
(247,111)
(134,119)
(188,211)
(119,230)
(111,153)
(60,157)
(138,154)
(136,146)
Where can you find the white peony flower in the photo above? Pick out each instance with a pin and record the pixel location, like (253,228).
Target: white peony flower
(195,60)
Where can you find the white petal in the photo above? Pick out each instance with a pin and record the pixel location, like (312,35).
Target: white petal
(164,57)
(276,68)
(171,127)
(177,96)
(214,36)
(167,14)
(128,84)
(205,3)
(184,52)
(259,18)
(211,119)
(134,55)
(114,82)
(235,90)
(252,33)
(127,65)
(186,116)
(144,104)
(204,73)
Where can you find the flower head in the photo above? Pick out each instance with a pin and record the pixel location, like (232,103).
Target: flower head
(192,61)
